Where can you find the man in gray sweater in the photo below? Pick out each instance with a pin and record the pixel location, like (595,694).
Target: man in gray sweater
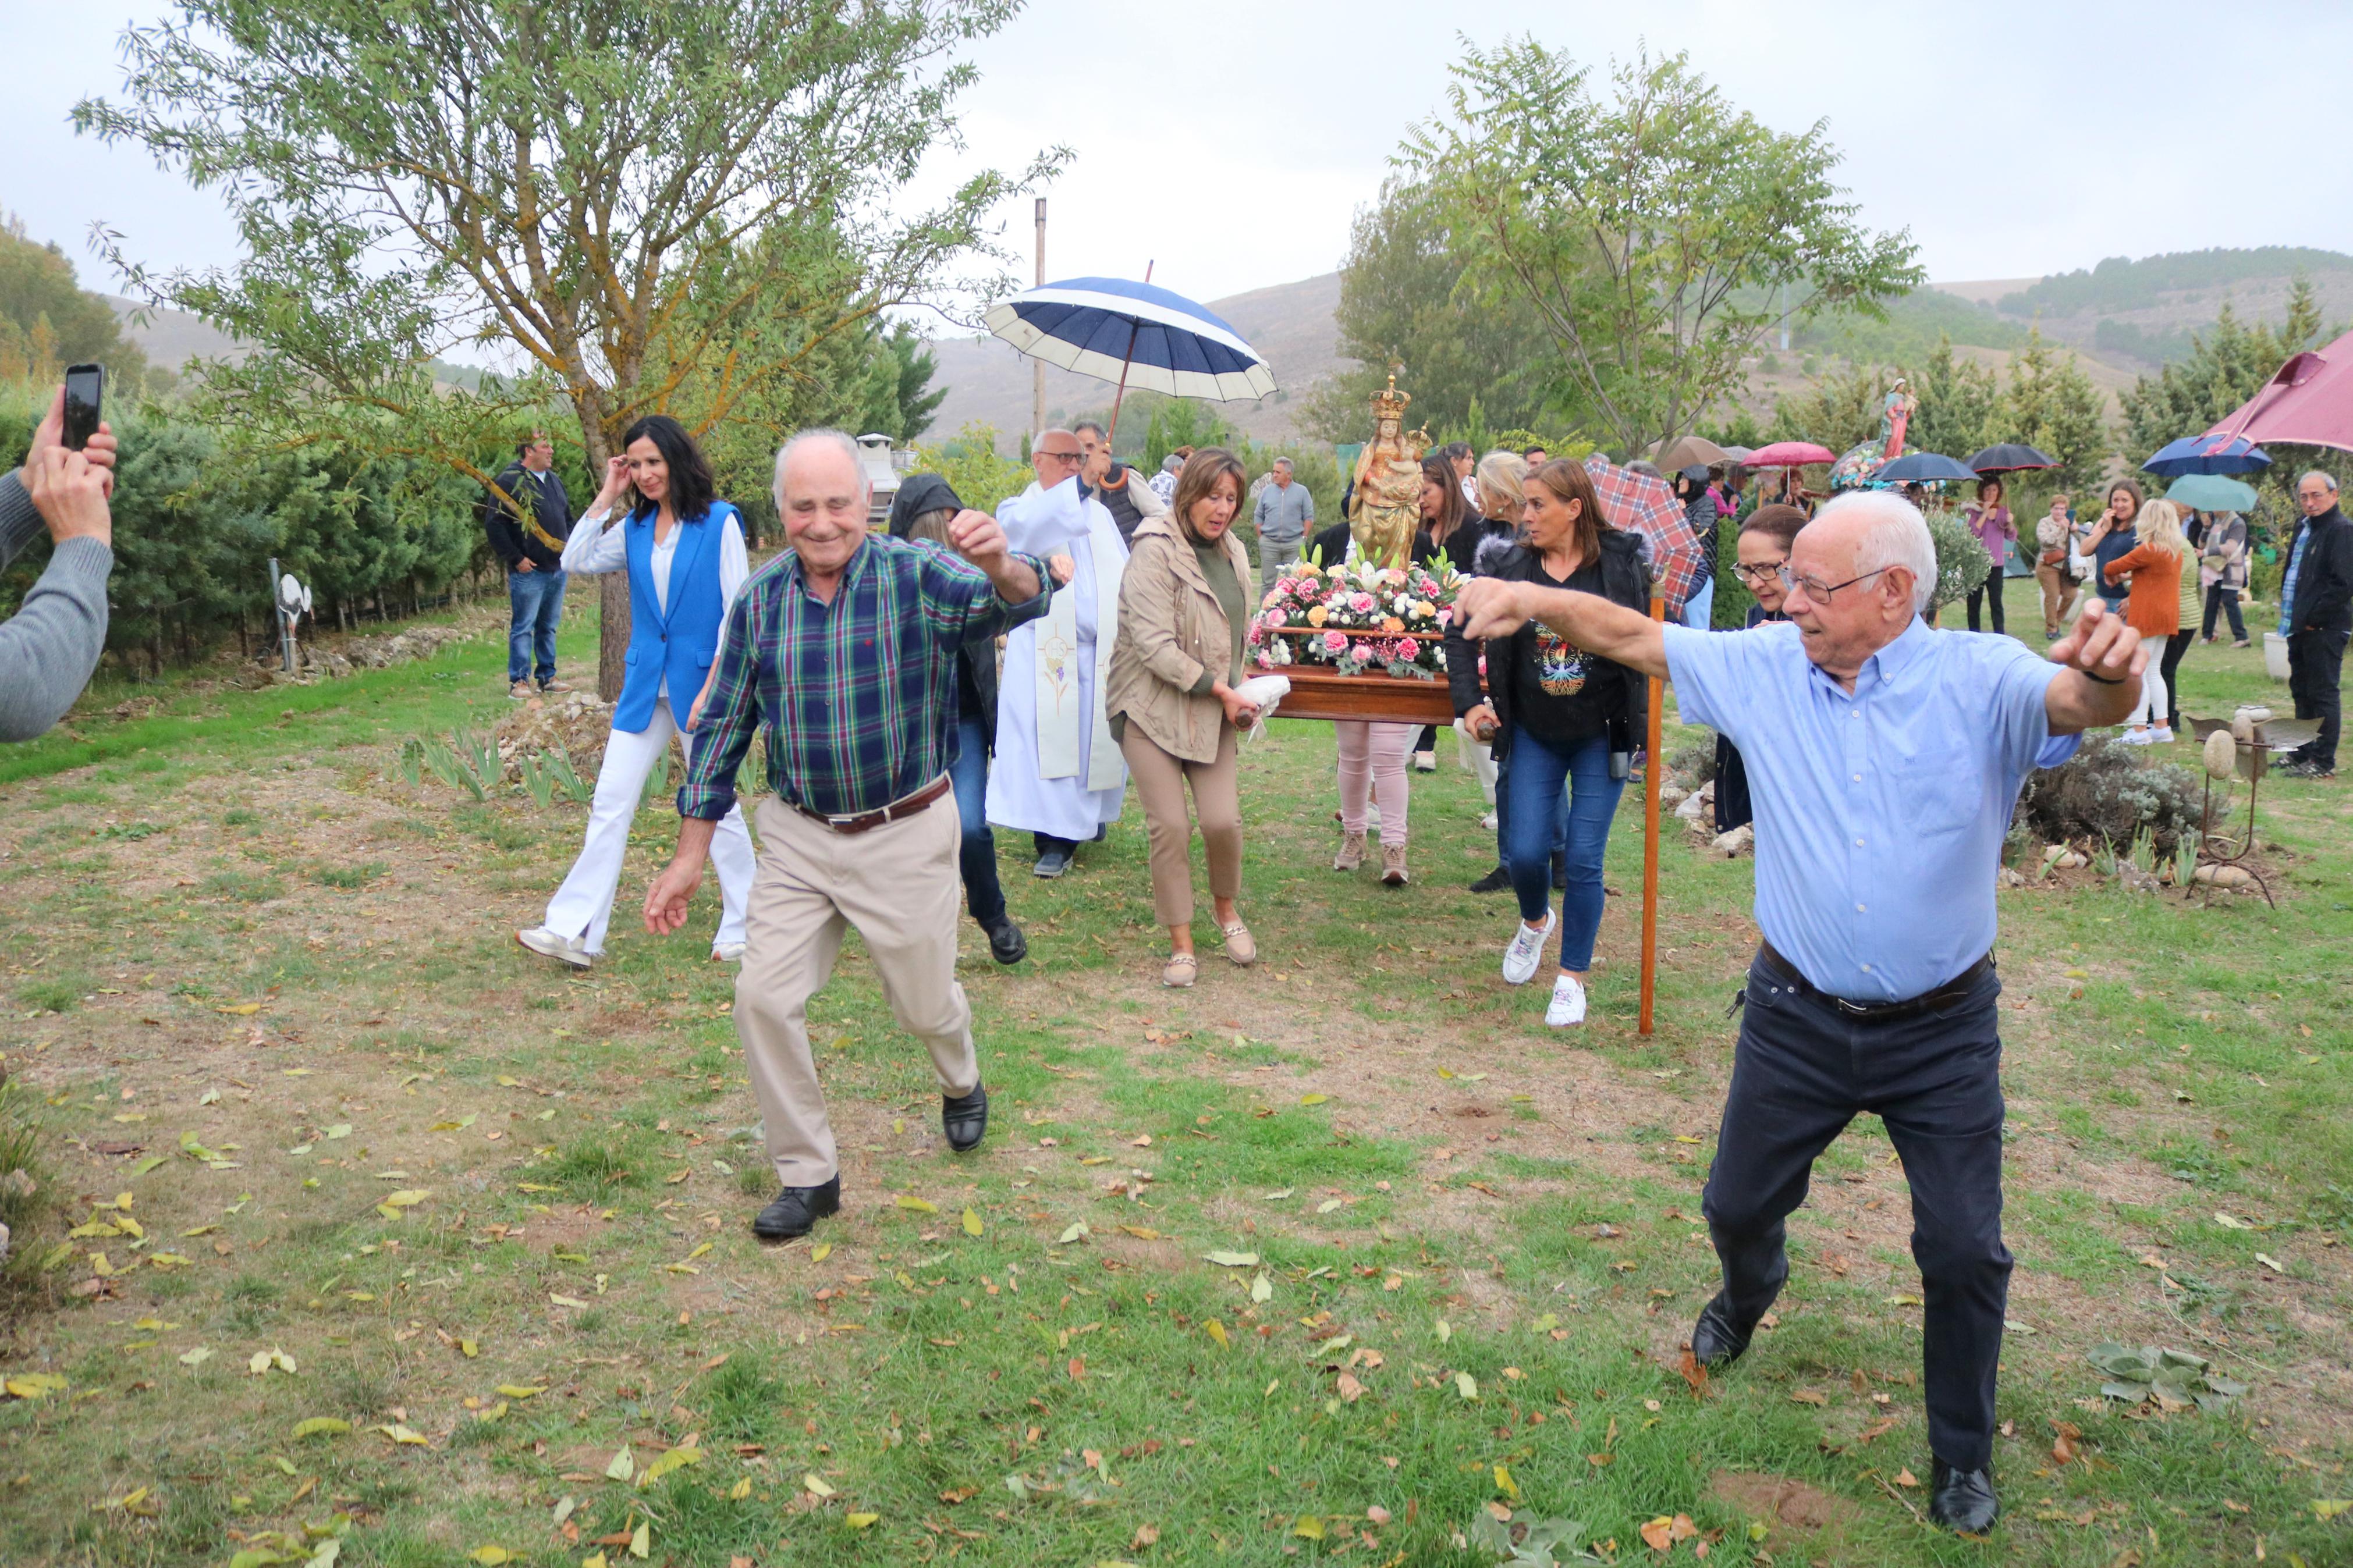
(49,646)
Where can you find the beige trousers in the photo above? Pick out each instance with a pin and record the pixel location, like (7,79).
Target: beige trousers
(1160,782)
(2060,592)
(897,885)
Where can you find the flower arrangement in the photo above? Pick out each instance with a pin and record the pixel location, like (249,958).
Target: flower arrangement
(1356,617)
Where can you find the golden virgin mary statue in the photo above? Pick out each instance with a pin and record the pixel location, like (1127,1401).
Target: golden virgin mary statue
(1385,507)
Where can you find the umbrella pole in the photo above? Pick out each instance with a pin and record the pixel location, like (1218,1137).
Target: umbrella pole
(1111,437)
(1652,772)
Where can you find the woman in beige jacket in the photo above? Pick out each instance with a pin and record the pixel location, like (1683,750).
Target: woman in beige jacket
(1182,610)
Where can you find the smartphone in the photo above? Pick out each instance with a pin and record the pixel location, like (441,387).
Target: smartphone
(85,388)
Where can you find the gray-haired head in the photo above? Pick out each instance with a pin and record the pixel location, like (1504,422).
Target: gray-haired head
(1894,535)
(1171,463)
(837,440)
(1089,427)
(2327,480)
(1283,463)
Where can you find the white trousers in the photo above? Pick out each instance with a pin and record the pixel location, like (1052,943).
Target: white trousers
(1477,759)
(2152,708)
(584,905)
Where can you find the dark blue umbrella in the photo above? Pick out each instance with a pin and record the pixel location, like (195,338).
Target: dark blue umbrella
(2009,458)
(2207,455)
(1921,467)
(1135,334)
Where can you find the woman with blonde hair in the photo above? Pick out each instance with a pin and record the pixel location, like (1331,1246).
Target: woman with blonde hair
(2160,553)
(1183,610)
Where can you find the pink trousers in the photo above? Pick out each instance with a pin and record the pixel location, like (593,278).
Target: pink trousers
(1372,761)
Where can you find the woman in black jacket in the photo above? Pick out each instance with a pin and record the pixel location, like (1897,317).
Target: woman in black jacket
(921,511)
(1557,714)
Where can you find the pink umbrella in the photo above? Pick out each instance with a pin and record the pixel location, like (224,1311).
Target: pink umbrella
(2308,404)
(1788,455)
(1640,504)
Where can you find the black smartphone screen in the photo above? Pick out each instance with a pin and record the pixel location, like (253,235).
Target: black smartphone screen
(85,387)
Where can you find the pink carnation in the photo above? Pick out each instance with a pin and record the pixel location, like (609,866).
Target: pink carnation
(1366,653)
(1445,617)
(1363,604)
(1336,642)
(1278,617)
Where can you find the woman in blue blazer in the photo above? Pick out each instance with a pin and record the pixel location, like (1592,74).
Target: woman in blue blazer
(683,549)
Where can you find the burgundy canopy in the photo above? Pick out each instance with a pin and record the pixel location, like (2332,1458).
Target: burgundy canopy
(2308,404)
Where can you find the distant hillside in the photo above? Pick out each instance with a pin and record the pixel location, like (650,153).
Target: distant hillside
(170,338)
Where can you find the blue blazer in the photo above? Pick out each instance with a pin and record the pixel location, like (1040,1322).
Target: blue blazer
(677,645)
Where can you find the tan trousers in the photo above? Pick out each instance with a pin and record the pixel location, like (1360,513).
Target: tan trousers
(897,885)
(2059,594)
(1160,781)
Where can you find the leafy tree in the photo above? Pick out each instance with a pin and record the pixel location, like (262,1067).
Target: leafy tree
(48,323)
(1958,401)
(1404,301)
(648,205)
(910,400)
(1650,230)
(1839,410)
(2227,365)
(2050,404)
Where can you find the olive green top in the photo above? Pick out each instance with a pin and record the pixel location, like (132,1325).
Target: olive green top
(1219,571)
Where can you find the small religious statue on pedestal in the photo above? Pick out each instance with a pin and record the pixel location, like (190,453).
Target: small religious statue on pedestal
(1386,507)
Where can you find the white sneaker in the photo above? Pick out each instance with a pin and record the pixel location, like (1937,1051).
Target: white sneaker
(2162,735)
(726,952)
(1567,1003)
(2133,737)
(1425,762)
(1526,949)
(1489,822)
(551,944)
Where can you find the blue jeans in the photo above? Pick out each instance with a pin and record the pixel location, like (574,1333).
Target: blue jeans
(536,599)
(976,855)
(1700,608)
(1532,791)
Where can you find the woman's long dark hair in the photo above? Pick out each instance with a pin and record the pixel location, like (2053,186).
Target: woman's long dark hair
(1438,470)
(692,487)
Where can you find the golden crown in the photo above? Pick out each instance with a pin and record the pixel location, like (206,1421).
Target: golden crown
(1390,405)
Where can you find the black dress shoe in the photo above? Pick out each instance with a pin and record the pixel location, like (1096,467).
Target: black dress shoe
(1962,1500)
(1495,882)
(797,1211)
(1006,942)
(1559,874)
(964,1121)
(1716,1340)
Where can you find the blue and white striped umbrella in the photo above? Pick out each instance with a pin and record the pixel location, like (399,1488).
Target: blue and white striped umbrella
(1147,337)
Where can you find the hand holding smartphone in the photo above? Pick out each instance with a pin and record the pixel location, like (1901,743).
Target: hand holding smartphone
(85,393)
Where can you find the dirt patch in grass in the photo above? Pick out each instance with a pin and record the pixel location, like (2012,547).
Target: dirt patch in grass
(1788,1506)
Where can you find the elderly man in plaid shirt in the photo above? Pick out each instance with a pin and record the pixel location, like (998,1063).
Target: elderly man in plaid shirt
(844,647)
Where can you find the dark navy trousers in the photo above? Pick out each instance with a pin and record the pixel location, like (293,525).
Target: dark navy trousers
(1802,1071)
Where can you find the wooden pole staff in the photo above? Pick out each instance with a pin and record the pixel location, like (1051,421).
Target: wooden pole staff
(1653,770)
(1111,435)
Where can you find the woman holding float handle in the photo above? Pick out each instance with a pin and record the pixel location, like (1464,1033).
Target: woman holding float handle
(1555,713)
(683,549)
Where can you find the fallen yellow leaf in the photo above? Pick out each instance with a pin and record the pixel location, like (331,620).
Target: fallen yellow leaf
(972,1225)
(321,1426)
(860,1520)
(816,1484)
(918,1206)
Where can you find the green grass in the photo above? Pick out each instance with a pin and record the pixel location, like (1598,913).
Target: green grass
(585,1149)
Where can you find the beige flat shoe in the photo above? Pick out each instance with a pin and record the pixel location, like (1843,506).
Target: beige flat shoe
(1180,969)
(1352,852)
(1240,945)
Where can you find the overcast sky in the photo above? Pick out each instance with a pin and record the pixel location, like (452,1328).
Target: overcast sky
(1229,143)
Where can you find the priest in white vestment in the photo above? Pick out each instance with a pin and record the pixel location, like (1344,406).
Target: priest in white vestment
(1058,775)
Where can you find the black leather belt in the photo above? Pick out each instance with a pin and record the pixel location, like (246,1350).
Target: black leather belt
(897,811)
(1950,994)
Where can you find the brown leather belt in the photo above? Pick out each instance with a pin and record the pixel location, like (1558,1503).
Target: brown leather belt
(1946,995)
(897,811)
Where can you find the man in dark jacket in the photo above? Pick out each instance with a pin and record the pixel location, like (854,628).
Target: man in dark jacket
(2317,614)
(921,510)
(529,538)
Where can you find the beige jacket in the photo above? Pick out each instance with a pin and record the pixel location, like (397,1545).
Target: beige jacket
(1172,632)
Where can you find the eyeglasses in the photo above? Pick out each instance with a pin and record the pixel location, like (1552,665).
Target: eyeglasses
(1754,575)
(1820,593)
(1066,457)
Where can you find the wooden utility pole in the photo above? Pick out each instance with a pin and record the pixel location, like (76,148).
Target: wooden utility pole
(1038,366)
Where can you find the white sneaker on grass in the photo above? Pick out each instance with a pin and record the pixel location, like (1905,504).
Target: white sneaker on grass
(1526,949)
(726,952)
(1567,1003)
(2162,735)
(552,944)
(1488,822)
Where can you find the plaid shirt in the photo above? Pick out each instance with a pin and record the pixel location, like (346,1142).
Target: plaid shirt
(859,697)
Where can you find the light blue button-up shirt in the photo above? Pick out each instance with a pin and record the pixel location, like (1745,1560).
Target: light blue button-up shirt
(1880,811)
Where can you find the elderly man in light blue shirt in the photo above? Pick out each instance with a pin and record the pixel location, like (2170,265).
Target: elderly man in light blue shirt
(1884,760)
(1285,511)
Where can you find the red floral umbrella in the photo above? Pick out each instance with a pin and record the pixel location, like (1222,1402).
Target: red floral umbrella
(1640,504)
